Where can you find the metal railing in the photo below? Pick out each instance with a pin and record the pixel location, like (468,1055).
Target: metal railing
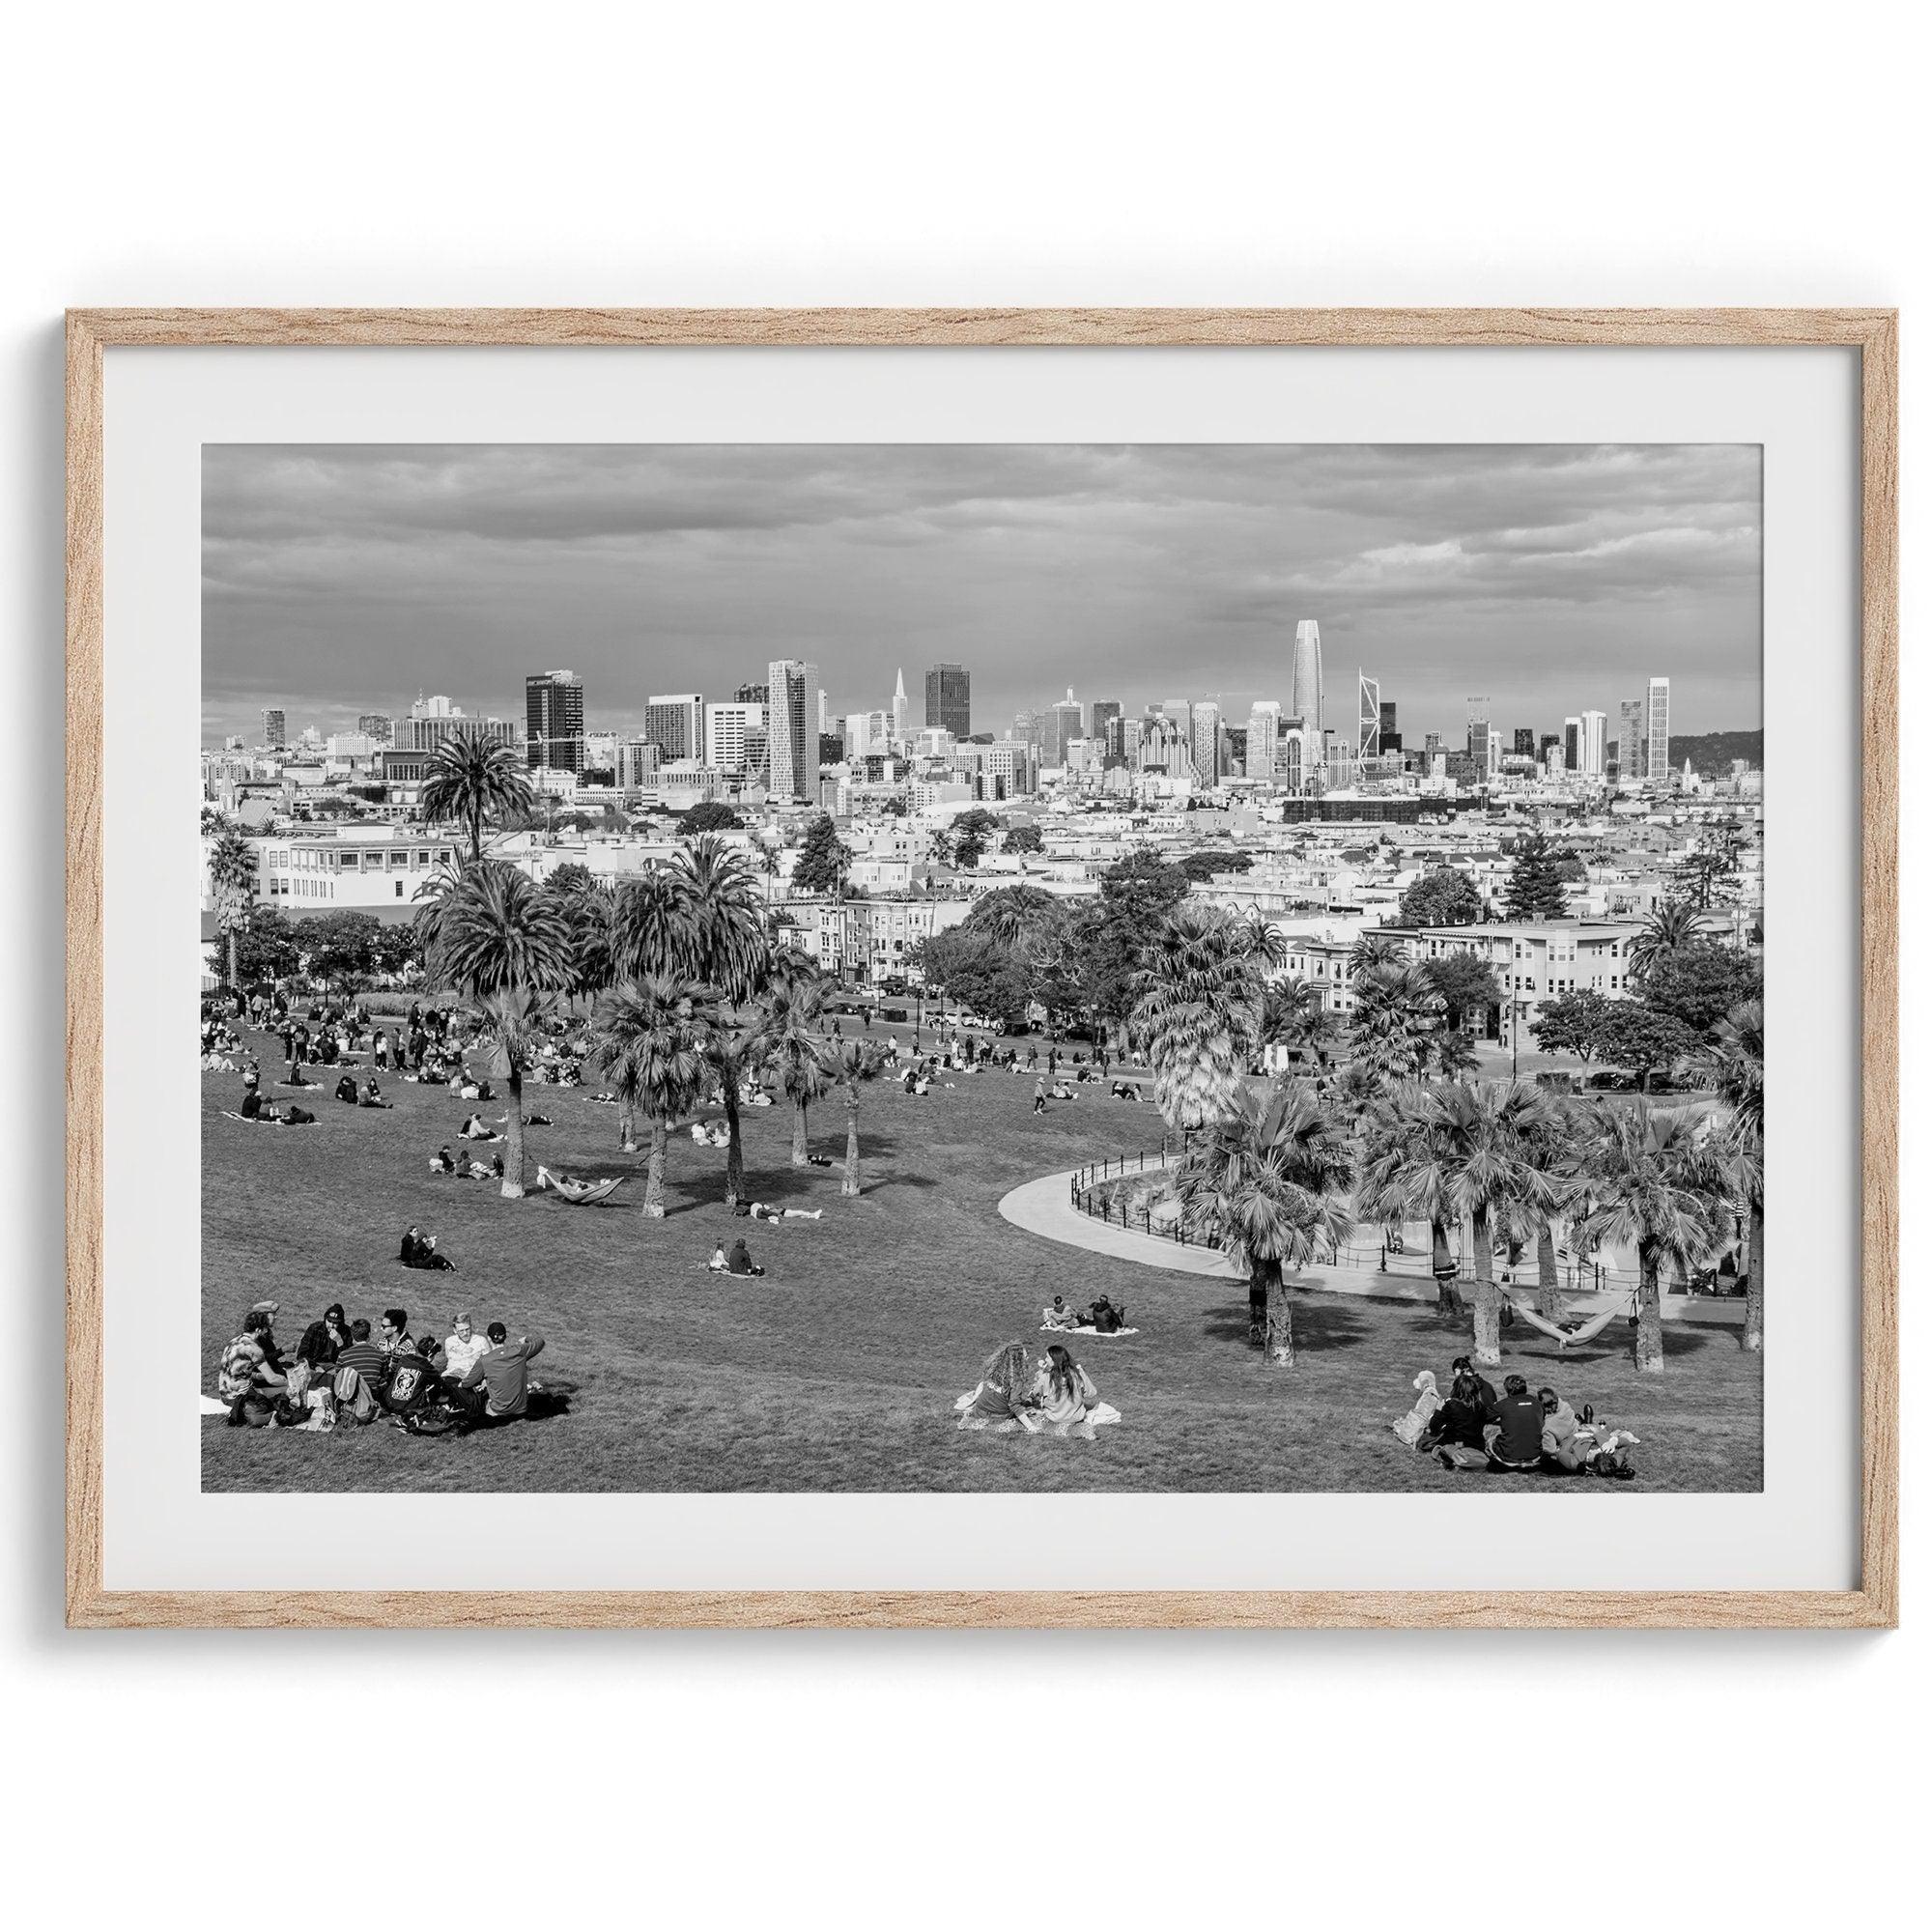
(1085,1191)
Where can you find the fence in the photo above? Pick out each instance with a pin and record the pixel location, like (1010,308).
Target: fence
(1085,1190)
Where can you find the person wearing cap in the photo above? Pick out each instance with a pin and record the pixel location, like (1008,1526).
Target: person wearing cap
(497,1387)
(464,1348)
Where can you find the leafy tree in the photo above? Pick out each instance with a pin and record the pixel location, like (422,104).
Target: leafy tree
(1699,983)
(1535,883)
(978,970)
(1295,1017)
(1708,877)
(1140,890)
(1655,1186)
(1467,986)
(473,779)
(502,943)
(971,830)
(1023,839)
(823,859)
(1198,867)
(1634,1035)
(709,815)
(269,948)
(1441,898)
(1737,1063)
(651,1036)
(394,950)
(340,947)
(1572,1023)
(233,870)
(1268,1181)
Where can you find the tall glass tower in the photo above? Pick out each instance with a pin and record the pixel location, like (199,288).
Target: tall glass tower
(1657,729)
(1306,692)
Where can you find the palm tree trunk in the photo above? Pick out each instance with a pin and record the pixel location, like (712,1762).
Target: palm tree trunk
(1488,1301)
(1442,1268)
(627,1125)
(734,1150)
(1278,1335)
(1546,1304)
(849,1186)
(800,1156)
(1649,1313)
(513,1127)
(654,1170)
(1752,1338)
(234,958)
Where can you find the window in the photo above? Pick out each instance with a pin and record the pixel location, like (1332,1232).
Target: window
(399,888)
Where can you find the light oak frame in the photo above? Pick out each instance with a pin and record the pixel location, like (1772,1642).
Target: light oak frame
(1873,332)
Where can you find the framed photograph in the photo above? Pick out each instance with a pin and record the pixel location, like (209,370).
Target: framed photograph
(1014,967)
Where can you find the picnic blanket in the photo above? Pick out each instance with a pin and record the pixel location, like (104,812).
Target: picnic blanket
(209,1406)
(1103,1334)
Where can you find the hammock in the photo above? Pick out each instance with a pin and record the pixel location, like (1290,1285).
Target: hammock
(579,1193)
(1565,1338)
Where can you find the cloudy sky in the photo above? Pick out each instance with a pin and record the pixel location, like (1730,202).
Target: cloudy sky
(1550,579)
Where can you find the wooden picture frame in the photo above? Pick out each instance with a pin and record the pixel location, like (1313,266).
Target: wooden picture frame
(1871,332)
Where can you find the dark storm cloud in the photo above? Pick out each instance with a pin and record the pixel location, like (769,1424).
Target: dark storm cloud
(340,578)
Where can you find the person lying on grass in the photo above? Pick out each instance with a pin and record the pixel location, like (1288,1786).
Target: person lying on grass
(763,1210)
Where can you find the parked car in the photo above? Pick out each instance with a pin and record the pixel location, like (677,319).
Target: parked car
(893,1013)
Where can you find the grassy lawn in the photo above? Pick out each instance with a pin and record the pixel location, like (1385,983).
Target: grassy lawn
(838,1370)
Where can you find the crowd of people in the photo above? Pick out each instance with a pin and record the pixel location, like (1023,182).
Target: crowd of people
(359,1371)
(1516,1433)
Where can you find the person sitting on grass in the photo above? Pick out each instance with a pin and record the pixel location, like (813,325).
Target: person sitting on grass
(442,1161)
(1068,1403)
(1002,1399)
(1561,1449)
(345,1089)
(1516,1436)
(1454,1434)
(419,1250)
(1059,1315)
(739,1260)
(763,1210)
(1104,1318)
(473,1129)
(372,1094)
(497,1387)
(463,1347)
(411,1384)
(1463,1366)
(323,1341)
(394,1333)
(246,1381)
(360,1370)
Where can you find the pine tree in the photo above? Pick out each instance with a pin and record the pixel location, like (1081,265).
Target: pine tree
(822,859)
(1535,882)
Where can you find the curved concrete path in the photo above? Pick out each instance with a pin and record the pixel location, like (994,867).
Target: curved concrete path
(1045,1207)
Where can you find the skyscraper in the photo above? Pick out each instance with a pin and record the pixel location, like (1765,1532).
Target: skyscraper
(674,723)
(1391,735)
(1305,690)
(1478,743)
(1101,717)
(1264,732)
(379,725)
(1657,729)
(1207,741)
(1369,715)
(553,721)
(1629,739)
(728,733)
(1573,744)
(1525,741)
(1594,723)
(275,730)
(901,715)
(793,727)
(1063,722)
(949,700)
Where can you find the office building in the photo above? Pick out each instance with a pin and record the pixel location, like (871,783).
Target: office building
(1102,715)
(1264,735)
(1060,724)
(637,764)
(949,700)
(901,715)
(1477,743)
(728,733)
(1304,695)
(1657,729)
(674,723)
(1492,754)
(792,727)
(1525,741)
(378,726)
(1391,737)
(753,694)
(1594,747)
(554,721)
(275,730)
(1205,743)
(1573,744)
(1369,716)
(1631,739)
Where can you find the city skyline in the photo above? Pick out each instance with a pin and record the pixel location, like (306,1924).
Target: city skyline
(339,579)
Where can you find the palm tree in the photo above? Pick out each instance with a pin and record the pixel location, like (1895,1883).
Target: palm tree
(795,1039)
(1558,1138)
(1406,1175)
(1268,1181)
(1293,1016)
(736,1049)
(1453,1054)
(1737,1058)
(1371,950)
(859,1061)
(505,946)
(1196,1014)
(651,1036)
(1490,1137)
(1397,1019)
(233,870)
(473,778)
(719,929)
(650,930)
(1668,928)
(1654,1185)
(1265,939)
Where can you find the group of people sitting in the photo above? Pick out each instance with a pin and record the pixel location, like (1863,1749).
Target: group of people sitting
(1100,1317)
(1473,1427)
(368,1095)
(1051,1395)
(736,1260)
(347,1369)
(268,1113)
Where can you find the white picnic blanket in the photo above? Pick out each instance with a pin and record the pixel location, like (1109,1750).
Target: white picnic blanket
(1100,1334)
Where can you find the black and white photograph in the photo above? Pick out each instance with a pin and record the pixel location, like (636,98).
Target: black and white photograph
(982,967)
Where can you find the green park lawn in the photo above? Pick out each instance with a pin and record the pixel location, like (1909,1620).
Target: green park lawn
(839,1368)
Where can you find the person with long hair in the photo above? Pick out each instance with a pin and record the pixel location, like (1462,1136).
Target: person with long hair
(1002,1401)
(1069,1405)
